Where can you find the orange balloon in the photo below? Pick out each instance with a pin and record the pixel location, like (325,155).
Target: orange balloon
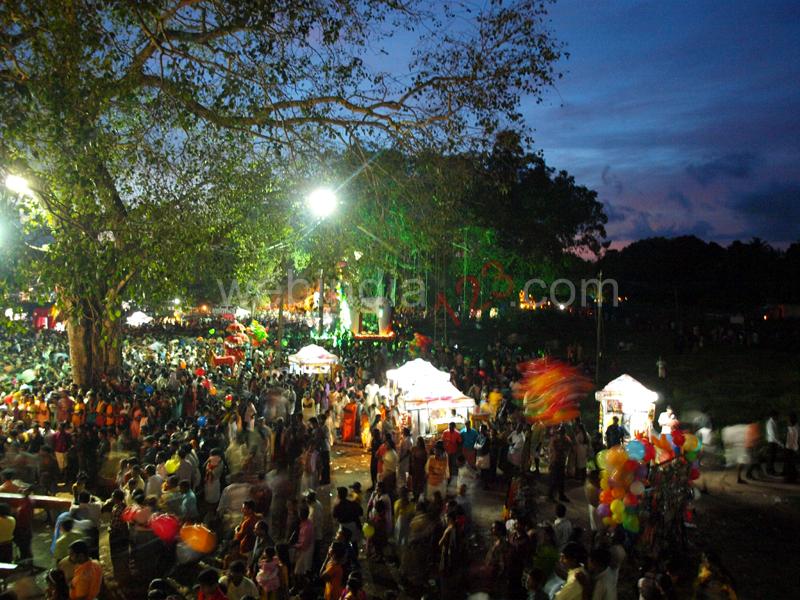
(617,456)
(618,493)
(199,538)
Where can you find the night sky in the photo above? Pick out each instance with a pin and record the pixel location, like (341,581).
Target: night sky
(684,116)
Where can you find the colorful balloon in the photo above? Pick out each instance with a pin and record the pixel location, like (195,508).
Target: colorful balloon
(635,450)
(172,465)
(637,488)
(690,442)
(602,460)
(617,507)
(368,529)
(199,538)
(603,510)
(165,527)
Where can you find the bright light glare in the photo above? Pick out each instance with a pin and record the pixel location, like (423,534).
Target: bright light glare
(177,301)
(322,202)
(18,185)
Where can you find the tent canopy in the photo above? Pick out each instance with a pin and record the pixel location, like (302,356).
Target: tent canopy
(629,392)
(415,373)
(433,394)
(313,355)
(138,319)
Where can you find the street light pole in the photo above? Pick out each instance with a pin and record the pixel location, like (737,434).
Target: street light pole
(599,313)
(321,301)
(321,202)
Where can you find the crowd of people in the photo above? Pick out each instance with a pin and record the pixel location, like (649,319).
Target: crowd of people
(248,454)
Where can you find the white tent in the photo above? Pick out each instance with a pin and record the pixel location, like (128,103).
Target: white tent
(633,403)
(429,397)
(312,359)
(415,372)
(138,319)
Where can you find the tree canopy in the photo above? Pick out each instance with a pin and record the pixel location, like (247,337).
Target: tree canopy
(155,136)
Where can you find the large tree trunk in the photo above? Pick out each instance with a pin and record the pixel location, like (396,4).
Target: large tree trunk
(95,343)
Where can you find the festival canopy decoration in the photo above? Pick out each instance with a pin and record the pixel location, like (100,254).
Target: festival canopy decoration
(313,358)
(414,373)
(550,391)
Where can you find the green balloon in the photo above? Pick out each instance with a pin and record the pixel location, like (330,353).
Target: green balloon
(212,331)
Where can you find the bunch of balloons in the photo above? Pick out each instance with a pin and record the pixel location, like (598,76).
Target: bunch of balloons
(550,391)
(623,476)
(624,473)
(679,444)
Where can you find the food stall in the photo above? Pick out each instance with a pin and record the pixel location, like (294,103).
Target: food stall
(426,398)
(432,405)
(633,403)
(312,359)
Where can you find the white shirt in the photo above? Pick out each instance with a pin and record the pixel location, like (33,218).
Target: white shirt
(372,391)
(245,588)
(665,422)
(772,431)
(605,586)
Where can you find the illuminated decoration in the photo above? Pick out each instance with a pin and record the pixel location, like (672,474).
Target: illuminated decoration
(138,319)
(529,304)
(633,403)
(241,313)
(344,308)
(550,391)
(312,359)
(382,309)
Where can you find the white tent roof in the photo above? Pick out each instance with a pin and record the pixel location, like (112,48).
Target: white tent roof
(414,373)
(432,394)
(138,318)
(629,391)
(313,355)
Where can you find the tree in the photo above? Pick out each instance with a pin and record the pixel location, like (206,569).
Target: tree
(540,212)
(142,127)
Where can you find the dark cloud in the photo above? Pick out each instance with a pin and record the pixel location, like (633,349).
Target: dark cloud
(680,199)
(638,226)
(773,212)
(616,214)
(737,165)
(611,180)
